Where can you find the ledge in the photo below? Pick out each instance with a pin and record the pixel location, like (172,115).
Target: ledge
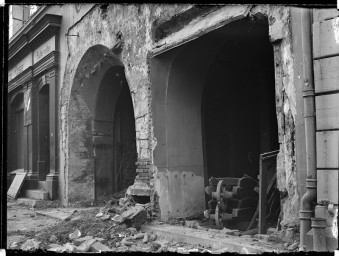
(32,36)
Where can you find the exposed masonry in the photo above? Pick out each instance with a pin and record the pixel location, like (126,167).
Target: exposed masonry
(134,39)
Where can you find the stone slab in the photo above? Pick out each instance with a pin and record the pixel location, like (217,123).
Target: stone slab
(205,238)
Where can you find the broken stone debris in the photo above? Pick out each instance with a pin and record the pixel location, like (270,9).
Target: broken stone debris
(293,246)
(99,247)
(76,234)
(86,245)
(13,245)
(80,240)
(30,244)
(53,239)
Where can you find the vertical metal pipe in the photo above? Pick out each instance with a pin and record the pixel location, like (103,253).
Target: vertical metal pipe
(306,207)
(319,238)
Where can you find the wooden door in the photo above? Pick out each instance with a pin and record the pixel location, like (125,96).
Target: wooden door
(19,129)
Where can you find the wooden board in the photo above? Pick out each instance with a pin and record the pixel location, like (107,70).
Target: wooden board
(326,74)
(327,111)
(324,14)
(327,149)
(16,185)
(325,40)
(327,186)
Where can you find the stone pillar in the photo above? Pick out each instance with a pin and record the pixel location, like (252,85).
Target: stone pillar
(52,177)
(30,135)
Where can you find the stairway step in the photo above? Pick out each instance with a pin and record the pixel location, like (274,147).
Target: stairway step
(36,194)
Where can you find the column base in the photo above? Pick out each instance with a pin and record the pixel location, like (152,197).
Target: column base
(52,186)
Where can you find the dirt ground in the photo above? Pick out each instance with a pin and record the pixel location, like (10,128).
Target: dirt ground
(24,223)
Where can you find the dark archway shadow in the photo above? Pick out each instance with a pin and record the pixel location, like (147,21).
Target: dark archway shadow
(98,88)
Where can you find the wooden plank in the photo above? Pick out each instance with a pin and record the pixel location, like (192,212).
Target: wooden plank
(324,14)
(262,197)
(327,111)
(326,38)
(327,149)
(326,74)
(16,185)
(327,186)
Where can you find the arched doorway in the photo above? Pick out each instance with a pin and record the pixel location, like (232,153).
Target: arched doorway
(16,133)
(102,145)
(216,97)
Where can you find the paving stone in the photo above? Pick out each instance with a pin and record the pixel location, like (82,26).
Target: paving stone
(99,247)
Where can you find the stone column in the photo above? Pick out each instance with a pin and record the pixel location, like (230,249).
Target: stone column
(52,177)
(30,133)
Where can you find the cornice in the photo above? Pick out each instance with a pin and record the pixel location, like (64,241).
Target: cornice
(32,36)
(46,64)
(21,79)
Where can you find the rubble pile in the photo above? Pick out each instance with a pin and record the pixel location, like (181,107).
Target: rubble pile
(114,227)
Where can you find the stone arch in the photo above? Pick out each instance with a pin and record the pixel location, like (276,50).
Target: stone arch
(95,94)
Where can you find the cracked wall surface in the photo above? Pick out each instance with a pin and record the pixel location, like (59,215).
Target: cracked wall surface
(128,31)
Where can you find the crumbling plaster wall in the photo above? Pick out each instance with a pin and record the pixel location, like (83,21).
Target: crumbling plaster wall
(128,26)
(134,24)
(281,38)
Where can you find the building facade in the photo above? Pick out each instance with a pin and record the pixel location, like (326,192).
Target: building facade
(158,98)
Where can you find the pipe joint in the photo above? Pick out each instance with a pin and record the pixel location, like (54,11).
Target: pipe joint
(311,183)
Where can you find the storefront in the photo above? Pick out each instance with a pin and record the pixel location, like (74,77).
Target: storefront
(32,106)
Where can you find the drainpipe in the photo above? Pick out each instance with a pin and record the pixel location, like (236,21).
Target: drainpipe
(309,198)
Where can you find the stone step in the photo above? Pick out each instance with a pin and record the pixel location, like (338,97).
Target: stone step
(42,185)
(36,194)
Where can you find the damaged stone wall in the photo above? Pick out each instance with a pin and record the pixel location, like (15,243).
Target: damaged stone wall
(280,36)
(128,30)
(129,38)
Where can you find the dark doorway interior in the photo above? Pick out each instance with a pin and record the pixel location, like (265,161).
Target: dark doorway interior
(238,105)
(124,141)
(43,106)
(114,135)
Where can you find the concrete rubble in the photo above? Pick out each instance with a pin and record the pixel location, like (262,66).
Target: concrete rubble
(119,226)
